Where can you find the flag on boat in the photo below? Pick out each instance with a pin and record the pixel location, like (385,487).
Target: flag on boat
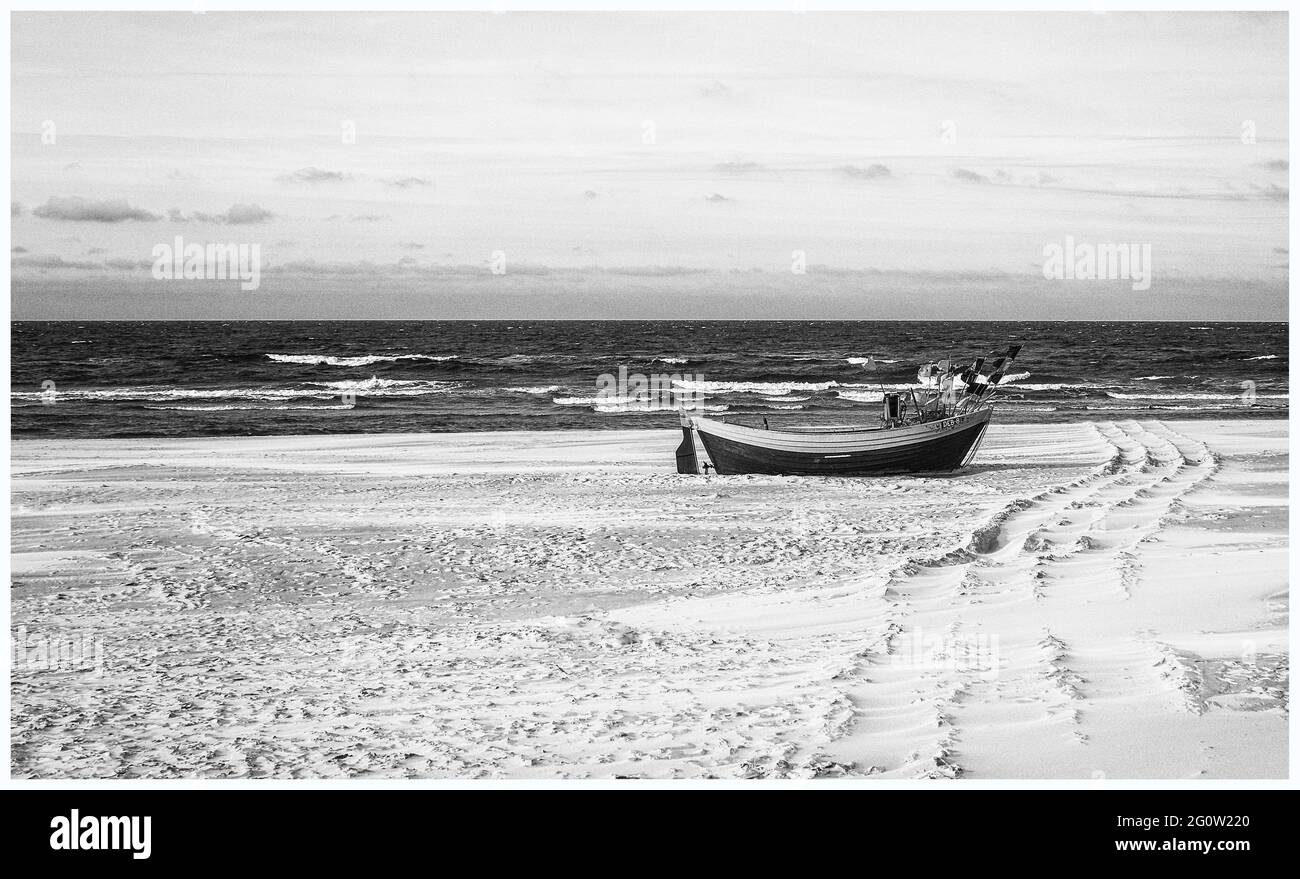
(990,381)
(971,375)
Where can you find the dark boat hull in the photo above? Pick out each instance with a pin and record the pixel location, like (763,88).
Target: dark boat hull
(937,445)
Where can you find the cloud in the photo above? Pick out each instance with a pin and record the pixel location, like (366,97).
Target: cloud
(52,261)
(235,215)
(716,196)
(408,182)
(79,210)
(1275,165)
(17,249)
(314,267)
(654,271)
(968,176)
(716,90)
(369,218)
(871,172)
(737,167)
(410,245)
(127,264)
(313,175)
(243,215)
(1273,192)
(15,209)
(408,266)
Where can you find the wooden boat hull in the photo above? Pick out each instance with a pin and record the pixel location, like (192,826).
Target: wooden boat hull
(944,444)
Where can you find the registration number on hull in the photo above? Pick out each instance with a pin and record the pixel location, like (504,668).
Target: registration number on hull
(949,423)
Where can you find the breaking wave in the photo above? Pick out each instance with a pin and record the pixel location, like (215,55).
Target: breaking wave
(361,360)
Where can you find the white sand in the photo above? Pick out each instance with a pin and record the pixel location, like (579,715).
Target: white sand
(1087,601)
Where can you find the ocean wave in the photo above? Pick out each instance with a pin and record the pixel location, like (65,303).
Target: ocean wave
(377,387)
(859,361)
(523,359)
(1152,378)
(634,407)
(666,401)
(534,389)
(610,400)
(362,360)
(1262,357)
(610,404)
(248,408)
(389,387)
(156,393)
(860,396)
(772,389)
(1118,396)
(1053,386)
(1235,406)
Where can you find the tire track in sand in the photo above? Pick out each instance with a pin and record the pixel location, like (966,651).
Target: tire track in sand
(1081,561)
(945,658)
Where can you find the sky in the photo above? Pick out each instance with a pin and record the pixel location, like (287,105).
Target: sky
(637,165)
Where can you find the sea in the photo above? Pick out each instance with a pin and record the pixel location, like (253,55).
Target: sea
(177,379)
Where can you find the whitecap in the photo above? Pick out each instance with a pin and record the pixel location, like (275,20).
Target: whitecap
(860,396)
(1119,396)
(387,387)
(361,360)
(774,389)
(247,408)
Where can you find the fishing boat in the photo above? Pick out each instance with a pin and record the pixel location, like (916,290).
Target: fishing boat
(934,427)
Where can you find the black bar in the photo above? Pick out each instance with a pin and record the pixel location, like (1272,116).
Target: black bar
(955,825)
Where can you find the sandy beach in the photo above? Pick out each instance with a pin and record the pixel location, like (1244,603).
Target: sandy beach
(1090,600)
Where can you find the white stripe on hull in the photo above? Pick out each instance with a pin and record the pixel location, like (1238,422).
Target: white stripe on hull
(847,442)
